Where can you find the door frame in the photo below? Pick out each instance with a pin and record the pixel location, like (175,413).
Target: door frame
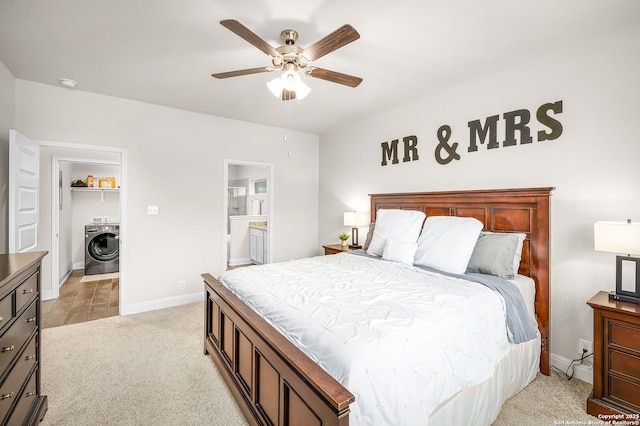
(225,214)
(55,214)
(55,205)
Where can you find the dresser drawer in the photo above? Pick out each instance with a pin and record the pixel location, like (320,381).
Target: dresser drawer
(17,335)
(10,388)
(25,402)
(624,392)
(26,291)
(624,335)
(624,364)
(6,311)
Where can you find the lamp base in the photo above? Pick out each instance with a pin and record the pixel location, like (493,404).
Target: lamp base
(623,298)
(354,246)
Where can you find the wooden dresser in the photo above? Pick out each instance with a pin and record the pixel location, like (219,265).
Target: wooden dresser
(616,359)
(21,399)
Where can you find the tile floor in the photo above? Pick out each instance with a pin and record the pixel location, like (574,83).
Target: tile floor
(229,267)
(81,302)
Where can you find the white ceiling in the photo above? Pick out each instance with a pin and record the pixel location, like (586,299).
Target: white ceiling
(164,51)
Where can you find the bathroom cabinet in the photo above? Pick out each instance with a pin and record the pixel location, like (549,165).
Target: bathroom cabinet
(259,245)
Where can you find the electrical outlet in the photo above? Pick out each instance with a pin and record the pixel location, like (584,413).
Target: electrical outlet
(152,210)
(181,285)
(588,346)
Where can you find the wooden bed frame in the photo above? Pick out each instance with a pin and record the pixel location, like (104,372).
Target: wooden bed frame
(275,383)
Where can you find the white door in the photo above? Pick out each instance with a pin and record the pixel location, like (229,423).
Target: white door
(24,166)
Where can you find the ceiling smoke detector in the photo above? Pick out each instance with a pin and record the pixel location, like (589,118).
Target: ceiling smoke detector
(68,83)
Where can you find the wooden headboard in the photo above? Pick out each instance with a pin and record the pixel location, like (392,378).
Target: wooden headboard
(500,210)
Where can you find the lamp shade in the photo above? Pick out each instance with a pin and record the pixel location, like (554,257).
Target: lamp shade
(275,86)
(291,82)
(617,237)
(356,219)
(302,90)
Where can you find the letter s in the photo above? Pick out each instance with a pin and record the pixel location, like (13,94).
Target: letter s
(551,123)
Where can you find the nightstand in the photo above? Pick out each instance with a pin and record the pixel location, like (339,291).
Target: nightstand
(616,358)
(335,248)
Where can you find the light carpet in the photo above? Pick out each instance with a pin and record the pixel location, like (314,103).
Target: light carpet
(142,369)
(548,400)
(98,277)
(149,369)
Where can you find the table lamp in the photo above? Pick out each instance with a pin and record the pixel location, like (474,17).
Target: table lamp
(355,219)
(621,238)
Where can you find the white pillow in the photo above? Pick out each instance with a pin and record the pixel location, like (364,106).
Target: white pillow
(398,251)
(398,225)
(518,255)
(447,242)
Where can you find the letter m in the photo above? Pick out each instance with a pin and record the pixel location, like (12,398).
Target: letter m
(476,129)
(390,152)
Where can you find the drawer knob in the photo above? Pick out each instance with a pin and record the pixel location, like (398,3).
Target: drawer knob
(31,319)
(8,348)
(6,396)
(30,357)
(27,291)
(28,394)
(1,318)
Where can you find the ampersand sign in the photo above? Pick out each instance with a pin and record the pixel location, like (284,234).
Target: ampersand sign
(444,133)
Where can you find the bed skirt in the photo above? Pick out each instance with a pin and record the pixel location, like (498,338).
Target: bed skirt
(481,404)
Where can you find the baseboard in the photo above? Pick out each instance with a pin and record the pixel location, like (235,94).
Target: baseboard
(66,275)
(78,265)
(582,372)
(48,295)
(235,262)
(167,302)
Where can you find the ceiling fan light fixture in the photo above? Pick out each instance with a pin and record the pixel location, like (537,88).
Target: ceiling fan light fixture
(302,90)
(275,86)
(290,81)
(291,59)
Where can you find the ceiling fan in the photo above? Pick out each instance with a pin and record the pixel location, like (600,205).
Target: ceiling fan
(290,59)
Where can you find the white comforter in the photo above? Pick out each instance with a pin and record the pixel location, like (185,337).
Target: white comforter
(400,339)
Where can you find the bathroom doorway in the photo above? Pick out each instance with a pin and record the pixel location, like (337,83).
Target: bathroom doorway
(248,213)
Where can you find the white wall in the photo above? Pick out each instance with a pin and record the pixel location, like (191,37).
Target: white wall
(7,114)
(175,161)
(593,165)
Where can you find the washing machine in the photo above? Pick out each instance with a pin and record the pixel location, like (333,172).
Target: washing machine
(102,248)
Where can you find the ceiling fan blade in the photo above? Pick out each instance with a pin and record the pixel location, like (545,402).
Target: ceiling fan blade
(340,37)
(242,72)
(249,36)
(334,77)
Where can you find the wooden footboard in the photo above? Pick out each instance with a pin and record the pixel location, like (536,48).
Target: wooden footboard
(271,379)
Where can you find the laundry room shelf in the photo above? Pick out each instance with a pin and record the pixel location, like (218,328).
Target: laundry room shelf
(100,190)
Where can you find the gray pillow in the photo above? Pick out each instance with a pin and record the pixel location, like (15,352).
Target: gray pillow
(494,254)
(365,246)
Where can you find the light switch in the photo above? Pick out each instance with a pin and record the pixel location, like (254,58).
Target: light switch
(152,210)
